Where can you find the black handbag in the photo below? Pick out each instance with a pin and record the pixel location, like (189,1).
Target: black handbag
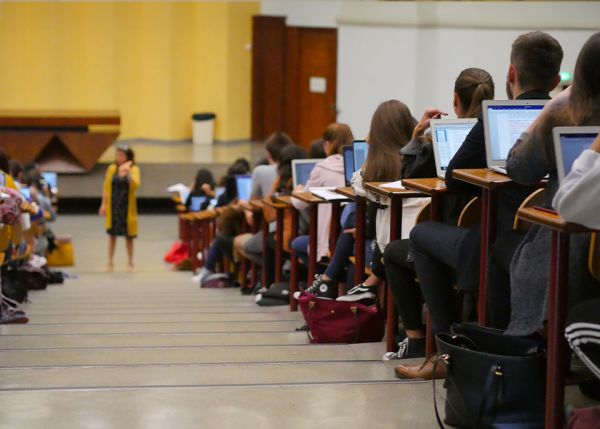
(493,380)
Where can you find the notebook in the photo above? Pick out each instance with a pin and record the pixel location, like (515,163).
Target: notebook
(504,122)
(569,143)
(448,136)
(301,169)
(243,184)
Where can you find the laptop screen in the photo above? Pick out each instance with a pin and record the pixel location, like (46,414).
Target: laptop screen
(348,164)
(571,146)
(196,203)
(506,124)
(360,151)
(448,137)
(243,185)
(51,179)
(301,169)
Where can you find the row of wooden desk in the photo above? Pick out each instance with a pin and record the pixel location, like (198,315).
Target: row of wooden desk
(489,182)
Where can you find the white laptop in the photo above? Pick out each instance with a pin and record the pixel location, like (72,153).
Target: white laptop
(301,169)
(504,122)
(448,136)
(569,143)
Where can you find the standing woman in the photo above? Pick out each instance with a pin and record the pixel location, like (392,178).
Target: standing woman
(119,203)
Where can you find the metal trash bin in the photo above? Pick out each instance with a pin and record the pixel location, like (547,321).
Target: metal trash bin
(203,126)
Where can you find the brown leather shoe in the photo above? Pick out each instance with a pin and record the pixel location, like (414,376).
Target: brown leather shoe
(423,371)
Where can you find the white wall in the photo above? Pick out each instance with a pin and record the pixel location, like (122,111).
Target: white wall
(413,51)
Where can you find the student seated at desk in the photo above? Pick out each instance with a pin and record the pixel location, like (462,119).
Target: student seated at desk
(250,245)
(578,201)
(329,172)
(204,186)
(472,86)
(391,127)
(445,255)
(529,161)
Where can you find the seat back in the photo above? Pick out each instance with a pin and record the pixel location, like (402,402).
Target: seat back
(424,214)
(594,257)
(470,214)
(536,198)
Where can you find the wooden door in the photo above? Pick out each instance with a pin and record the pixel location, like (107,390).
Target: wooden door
(311,78)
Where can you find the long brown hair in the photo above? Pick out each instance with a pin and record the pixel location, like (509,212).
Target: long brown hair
(338,135)
(472,86)
(584,101)
(391,128)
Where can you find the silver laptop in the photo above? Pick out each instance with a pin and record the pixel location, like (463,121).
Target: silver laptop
(504,122)
(448,136)
(301,169)
(569,143)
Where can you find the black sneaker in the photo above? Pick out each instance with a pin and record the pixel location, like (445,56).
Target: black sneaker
(407,349)
(359,292)
(320,289)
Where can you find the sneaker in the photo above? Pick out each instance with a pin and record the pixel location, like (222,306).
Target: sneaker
(320,289)
(10,315)
(407,349)
(358,293)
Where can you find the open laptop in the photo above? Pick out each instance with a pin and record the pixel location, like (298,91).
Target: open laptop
(360,150)
(448,136)
(196,204)
(348,155)
(243,184)
(301,169)
(51,179)
(569,143)
(504,121)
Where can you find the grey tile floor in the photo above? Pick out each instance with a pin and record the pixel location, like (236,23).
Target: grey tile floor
(151,350)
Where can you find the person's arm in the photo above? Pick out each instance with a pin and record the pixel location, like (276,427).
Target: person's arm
(425,122)
(532,156)
(471,154)
(578,198)
(110,171)
(134,178)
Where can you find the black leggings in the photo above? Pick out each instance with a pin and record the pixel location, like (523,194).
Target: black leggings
(401,279)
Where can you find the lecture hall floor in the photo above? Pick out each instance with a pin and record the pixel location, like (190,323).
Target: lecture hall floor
(151,350)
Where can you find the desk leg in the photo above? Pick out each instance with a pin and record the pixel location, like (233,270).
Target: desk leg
(293,263)
(263,269)
(359,240)
(334,225)
(435,209)
(488,232)
(312,241)
(278,245)
(391,313)
(435,214)
(195,233)
(557,345)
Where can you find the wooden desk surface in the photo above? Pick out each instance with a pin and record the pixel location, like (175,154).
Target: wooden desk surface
(347,191)
(482,177)
(58,118)
(274,203)
(429,186)
(284,199)
(377,188)
(256,204)
(308,198)
(550,220)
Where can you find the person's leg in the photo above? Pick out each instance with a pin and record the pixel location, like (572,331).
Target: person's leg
(401,279)
(368,288)
(129,244)
(436,253)
(253,248)
(212,257)
(112,244)
(498,280)
(269,266)
(344,248)
(300,246)
(239,242)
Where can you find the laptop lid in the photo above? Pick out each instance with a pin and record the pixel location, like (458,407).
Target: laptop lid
(301,169)
(243,184)
(196,203)
(348,154)
(569,143)
(448,135)
(360,149)
(504,121)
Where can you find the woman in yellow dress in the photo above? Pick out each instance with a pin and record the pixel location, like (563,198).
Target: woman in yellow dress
(119,203)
